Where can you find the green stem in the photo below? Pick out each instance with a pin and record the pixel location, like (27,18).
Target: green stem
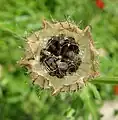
(105,80)
(13,33)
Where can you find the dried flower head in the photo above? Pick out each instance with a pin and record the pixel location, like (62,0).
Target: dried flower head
(60,56)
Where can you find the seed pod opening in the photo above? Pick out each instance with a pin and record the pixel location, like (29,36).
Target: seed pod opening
(60,56)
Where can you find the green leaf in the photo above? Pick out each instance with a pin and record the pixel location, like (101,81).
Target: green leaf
(89,103)
(95,91)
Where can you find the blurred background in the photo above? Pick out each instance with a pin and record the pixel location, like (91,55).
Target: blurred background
(19,99)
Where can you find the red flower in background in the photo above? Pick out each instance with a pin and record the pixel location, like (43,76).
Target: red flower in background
(116,89)
(100,4)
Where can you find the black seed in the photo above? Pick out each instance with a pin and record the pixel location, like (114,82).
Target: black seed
(54,47)
(61,42)
(71,68)
(70,54)
(64,50)
(74,47)
(62,65)
(61,56)
(51,63)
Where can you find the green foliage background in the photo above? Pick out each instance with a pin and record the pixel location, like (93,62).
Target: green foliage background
(19,99)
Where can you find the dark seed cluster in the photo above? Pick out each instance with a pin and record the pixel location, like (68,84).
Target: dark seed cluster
(61,56)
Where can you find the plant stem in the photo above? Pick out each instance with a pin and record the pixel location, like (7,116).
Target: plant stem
(105,80)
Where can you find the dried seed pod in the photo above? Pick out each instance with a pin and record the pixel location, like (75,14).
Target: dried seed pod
(60,56)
